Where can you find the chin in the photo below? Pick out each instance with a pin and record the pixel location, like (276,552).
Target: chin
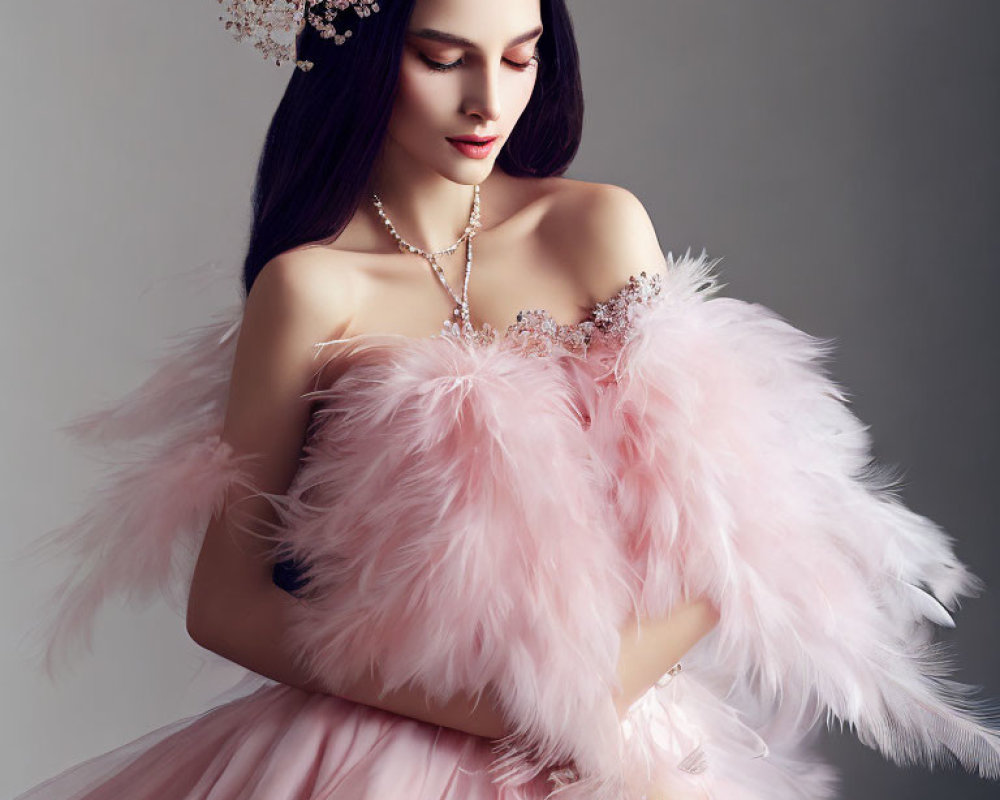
(470,174)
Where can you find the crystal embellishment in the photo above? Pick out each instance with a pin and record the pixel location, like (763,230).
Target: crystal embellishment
(535,332)
(614,316)
(273,25)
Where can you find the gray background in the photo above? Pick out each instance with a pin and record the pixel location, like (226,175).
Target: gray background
(842,156)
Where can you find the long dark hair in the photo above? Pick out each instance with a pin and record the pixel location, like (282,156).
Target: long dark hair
(328,128)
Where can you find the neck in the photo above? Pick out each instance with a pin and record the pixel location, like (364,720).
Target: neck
(427,209)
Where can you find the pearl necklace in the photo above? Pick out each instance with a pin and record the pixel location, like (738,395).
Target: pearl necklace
(471,229)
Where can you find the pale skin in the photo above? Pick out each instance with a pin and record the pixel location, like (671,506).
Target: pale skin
(550,243)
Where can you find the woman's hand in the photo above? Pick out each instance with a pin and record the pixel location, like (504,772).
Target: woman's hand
(651,646)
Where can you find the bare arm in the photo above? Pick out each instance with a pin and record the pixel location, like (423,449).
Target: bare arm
(612,237)
(251,634)
(649,650)
(234,608)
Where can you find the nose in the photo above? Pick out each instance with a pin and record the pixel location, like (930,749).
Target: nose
(481,96)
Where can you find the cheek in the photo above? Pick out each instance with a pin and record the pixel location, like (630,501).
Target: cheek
(517,96)
(422,98)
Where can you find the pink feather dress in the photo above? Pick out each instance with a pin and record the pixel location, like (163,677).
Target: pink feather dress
(483,509)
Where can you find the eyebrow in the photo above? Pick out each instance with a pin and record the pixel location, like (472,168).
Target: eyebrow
(450,38)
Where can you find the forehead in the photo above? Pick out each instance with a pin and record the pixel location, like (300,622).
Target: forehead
(485,23)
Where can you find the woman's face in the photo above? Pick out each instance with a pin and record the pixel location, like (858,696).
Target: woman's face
(467,71)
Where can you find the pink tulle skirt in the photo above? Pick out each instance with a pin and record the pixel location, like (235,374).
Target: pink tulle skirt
(282,743)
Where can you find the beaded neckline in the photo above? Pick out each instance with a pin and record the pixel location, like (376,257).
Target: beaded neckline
(534,331)
(537,331)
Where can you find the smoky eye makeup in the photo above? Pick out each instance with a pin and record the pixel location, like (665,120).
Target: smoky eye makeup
(438,66)
(520,55)
(435,64)
(515,62)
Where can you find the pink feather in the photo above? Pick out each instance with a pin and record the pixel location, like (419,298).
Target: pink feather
(743,475)
(481,517)
(446,514)
(139,537)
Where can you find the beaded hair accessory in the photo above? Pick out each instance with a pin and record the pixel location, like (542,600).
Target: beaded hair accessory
(273,25)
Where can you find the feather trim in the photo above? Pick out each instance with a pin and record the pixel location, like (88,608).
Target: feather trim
(449,531)
(140,535)
(744,476)
(458,531)
(185,393)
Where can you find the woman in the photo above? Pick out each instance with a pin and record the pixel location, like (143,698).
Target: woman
(468,521)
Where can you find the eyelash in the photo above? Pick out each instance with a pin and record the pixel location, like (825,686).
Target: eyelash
(437,66)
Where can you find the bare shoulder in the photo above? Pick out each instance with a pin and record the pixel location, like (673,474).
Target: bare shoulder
(605,232)
(314,286)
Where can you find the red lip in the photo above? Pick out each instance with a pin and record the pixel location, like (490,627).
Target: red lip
(472,146)
(471,139)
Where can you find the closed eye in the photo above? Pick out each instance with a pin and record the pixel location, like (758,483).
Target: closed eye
(523,64)
(439,66)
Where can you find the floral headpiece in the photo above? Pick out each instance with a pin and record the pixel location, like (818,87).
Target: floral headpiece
(273,25)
